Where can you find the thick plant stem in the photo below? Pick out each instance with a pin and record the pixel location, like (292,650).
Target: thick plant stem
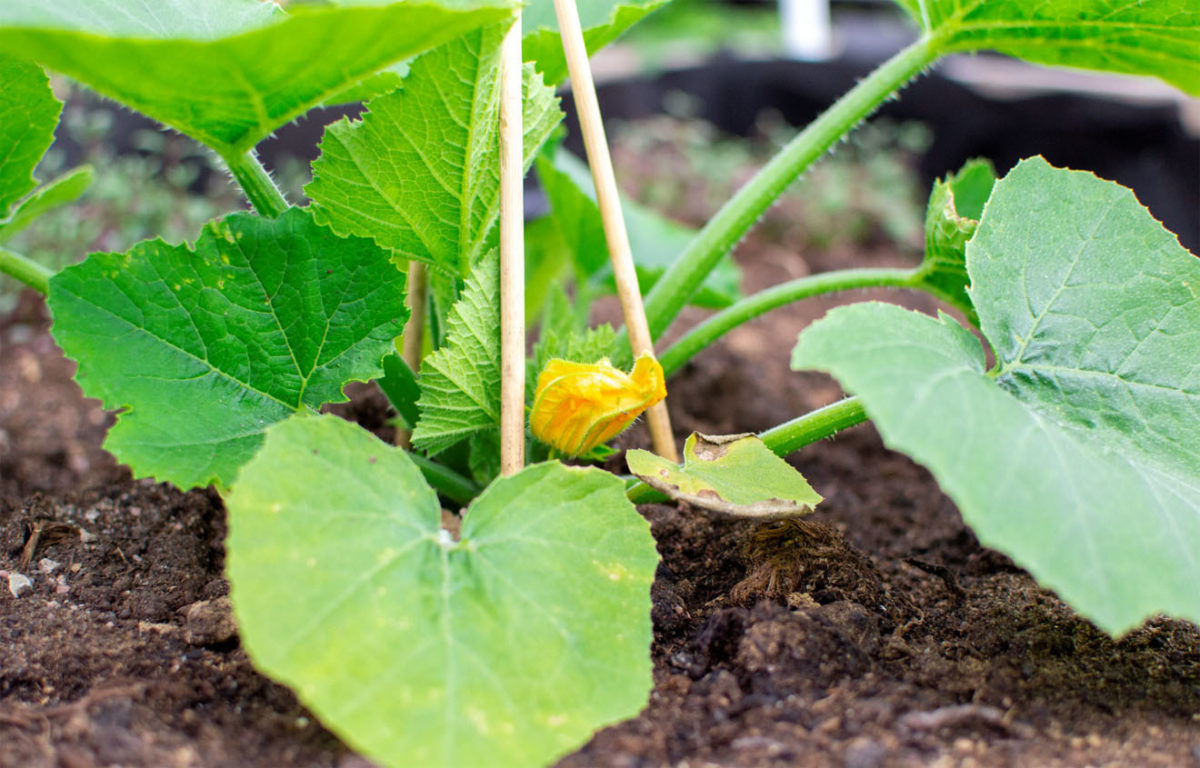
(583,88)
(445,481)
(816,425)
(512,256)
(414,331)
(786,438)
(683,278)
(772,298)
(26,270)
(257,184)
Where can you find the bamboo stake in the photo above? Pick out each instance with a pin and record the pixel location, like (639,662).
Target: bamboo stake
(414,331)
(584,91)
(512,256)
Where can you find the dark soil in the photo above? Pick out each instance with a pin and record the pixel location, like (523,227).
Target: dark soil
(876,633)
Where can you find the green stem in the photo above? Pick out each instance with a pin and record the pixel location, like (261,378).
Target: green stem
(777,296)
(257,184)
(785,438)
(673,290)
(816,425)
(26,270)
(446,481)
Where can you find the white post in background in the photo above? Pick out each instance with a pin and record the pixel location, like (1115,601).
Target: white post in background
(807,33)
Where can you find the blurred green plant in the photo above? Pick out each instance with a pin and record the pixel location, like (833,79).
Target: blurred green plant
(867,190)
(168,187)
(695,29)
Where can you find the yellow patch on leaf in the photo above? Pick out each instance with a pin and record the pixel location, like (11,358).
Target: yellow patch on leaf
(578,406)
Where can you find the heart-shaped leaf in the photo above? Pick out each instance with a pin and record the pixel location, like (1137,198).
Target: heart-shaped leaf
(507,647)
(229,72)
(1149,37)
(1079,454)
(206,348)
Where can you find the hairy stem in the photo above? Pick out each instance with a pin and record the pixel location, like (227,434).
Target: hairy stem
(807,429)
(772,298)
(26,270)
(257,184)
(683,278)
(786,438)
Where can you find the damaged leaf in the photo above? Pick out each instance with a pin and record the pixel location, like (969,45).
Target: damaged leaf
(734,475)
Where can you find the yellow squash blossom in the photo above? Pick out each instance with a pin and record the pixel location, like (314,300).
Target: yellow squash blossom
(578,406)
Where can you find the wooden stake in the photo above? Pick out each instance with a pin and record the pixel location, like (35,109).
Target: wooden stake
(512,256)
(584,91)
(414,331)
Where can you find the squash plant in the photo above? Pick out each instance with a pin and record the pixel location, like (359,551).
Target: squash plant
(1077,452)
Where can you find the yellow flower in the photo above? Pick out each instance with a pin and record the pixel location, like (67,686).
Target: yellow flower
(578,406)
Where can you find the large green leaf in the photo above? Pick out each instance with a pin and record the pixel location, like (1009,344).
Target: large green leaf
(507,647)
(654,240)
(1079,455)
(1149,37)
(205,348)
(420,173)
(229,72)
(602,20)
(460,383)
(28,115)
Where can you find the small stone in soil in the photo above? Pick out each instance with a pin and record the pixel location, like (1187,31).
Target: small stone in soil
(209,622)
(18,583)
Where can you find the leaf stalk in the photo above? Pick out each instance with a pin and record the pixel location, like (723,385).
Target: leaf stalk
(256,184)
(682,279)
(774,297)
(26,270)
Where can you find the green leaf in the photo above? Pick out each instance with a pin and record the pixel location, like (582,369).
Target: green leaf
(28,116)
(460,383)
(546,263)
(731,474)
(589,345)
(65,189)
(229,72)
(205,348)
(586,346)
(399,385)
(1150,37)
(1079,456)
(955,205)
(483,456)
(420,172)
(508,647)
(383,81)
(602,20)
(654,240)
